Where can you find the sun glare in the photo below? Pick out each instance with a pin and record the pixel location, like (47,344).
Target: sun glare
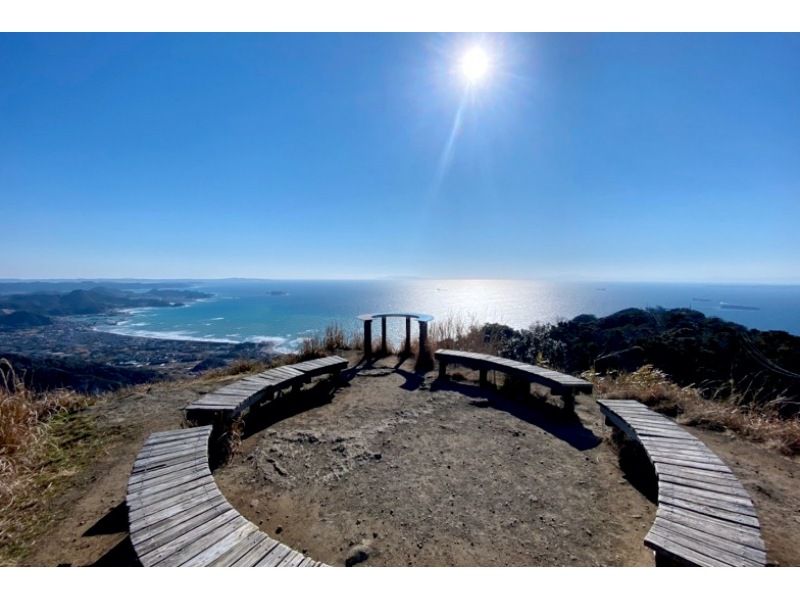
(474,65)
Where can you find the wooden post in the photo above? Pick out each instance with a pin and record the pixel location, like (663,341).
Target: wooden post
(568,398)
(367,338)
(408,336)
(484,371)
(383,336)
(442,368)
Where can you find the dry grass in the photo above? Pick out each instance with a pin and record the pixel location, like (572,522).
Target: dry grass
(335,338)
(462,334)
(237,368)
(41,441)
(653,388)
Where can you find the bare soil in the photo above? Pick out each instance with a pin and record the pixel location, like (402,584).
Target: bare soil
(394,468)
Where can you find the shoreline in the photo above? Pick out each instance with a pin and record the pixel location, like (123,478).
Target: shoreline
(70,352)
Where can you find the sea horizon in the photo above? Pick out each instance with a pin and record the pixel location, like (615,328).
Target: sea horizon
(285,311)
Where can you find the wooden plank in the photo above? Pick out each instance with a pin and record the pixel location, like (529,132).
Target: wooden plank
(741,555)
(181,514)
(151,515)
(275,556)
(158,442)
(678,550)
(709,510)
(146,543)
(740,504)
(218,402)
(689,443)
(148,475)
(744,534)
(221,545)
(258,554)
(730,553)
(155,465)
(209,489)
(293,560)
(210,407)
(145,461)
(641,423)
(703,453)
(690,464)
(724,529)
(240,550)
(137,497)
(184,433)
(180,550)
(705,457)
(663,468)
(725,487)
(167,451)
(148,486)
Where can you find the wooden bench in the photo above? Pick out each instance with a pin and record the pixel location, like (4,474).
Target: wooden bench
(562,385)
(178,516)
(705,516)
(235,398)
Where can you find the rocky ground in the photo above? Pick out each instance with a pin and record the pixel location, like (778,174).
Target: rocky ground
(396,469)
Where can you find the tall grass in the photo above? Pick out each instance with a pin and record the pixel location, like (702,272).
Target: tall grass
(31,457)
(334,338)
(759,423)
(24,417)
(463,333)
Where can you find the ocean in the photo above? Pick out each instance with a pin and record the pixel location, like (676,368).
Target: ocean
(284,312)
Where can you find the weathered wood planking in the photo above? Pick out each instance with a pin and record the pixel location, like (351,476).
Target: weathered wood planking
(178,517)
(239,396)
(705,516)
(559,384)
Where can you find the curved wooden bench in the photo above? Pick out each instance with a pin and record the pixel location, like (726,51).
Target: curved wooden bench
(705,516)
(562,385)
(235,398)
(178,516)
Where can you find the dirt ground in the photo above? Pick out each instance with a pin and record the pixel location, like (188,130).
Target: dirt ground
(394,468)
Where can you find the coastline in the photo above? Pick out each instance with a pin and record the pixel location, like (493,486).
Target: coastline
(71,352)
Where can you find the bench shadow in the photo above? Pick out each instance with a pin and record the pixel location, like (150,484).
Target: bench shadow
(122,555)
(113,522)
(290,403)
(635,465)
(534,410)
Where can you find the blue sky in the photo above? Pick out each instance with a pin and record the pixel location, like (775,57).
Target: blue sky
(612,157)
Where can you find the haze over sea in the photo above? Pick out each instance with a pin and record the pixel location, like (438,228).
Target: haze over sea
(286,311)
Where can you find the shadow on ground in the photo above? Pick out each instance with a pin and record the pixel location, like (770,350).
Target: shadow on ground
(636,466)
(534,410)
(122,555)
(114,522)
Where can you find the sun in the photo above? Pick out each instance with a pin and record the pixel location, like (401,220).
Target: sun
(475,65)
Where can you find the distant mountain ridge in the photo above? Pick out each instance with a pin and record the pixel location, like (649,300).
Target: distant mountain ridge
(96,300)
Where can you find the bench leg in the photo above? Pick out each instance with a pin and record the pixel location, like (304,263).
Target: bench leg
(442,370)
(483,377)
(568,399)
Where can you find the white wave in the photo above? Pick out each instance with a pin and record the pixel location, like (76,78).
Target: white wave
(213,319)
(276,340)
(177,335)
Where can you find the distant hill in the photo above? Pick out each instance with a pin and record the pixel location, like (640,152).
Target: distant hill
(96,300)
(22,319)
(710,353)
(9,287)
